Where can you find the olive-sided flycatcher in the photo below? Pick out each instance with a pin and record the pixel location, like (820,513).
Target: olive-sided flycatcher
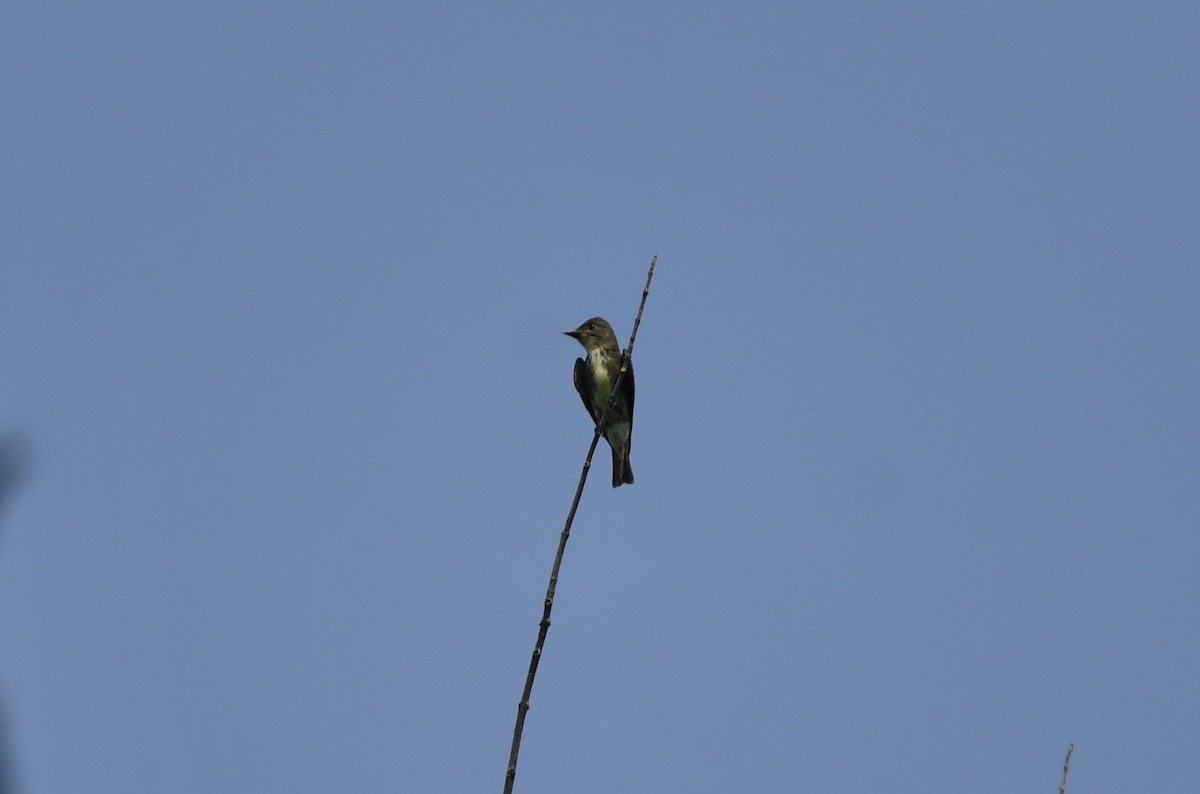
(594,379)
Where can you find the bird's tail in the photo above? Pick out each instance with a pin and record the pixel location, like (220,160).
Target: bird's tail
(622,473)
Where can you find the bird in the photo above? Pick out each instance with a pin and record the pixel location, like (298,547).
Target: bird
(594,378)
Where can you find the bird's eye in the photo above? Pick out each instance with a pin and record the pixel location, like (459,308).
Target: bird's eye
(591,326)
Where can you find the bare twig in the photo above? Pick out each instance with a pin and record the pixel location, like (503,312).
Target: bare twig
(543,627)
(1062,787)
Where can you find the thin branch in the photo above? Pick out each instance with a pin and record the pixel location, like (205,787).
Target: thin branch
(1062,787)
(543,627)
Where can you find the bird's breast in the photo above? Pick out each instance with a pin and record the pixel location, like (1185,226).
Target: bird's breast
(600,377)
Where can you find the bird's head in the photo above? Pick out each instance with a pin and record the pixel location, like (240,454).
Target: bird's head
(594,334)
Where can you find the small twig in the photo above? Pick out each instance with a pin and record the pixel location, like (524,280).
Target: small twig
(543,627)
(1062,787)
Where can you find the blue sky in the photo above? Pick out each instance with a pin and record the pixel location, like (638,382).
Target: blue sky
(917,440)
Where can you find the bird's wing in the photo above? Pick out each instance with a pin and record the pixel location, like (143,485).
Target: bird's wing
(585,386)
(627,392)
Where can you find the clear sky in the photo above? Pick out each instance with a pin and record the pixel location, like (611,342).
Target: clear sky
(289,417)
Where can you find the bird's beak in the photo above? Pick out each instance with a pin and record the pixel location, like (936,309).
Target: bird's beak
(573,334)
